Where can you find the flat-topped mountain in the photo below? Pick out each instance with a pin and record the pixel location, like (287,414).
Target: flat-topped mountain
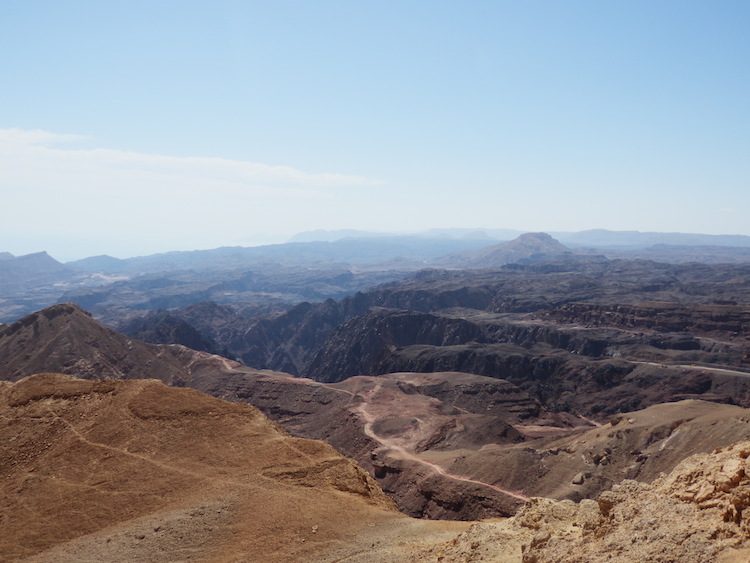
(527,248)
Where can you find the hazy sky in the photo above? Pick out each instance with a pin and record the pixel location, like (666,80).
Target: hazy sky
(136,127)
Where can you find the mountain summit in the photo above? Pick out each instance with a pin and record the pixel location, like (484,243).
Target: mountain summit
(529,247)
(65,338)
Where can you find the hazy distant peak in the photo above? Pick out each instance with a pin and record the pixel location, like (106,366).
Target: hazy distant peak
(29,266)
(102,262)
(528,246)
(538,241)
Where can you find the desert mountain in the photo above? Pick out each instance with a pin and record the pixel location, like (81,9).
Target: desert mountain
(137,471)
(162,327)
(33,281)
(65,339)
(602,238)
(318,254)
(31,270)
(527,248)
(279,276)
(592,338)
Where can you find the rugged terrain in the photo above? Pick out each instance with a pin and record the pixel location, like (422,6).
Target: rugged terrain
(696,513)
(134,470)
(592,338)
(565,377)
(441,444)
(272,278)
(356,416)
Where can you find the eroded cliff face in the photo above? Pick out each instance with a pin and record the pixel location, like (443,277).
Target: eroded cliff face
(593,338)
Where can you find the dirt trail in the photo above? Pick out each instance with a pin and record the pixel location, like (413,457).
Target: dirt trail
(370,419)
(161,465)
(692,366)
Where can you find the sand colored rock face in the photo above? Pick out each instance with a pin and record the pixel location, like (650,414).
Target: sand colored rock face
(696,513)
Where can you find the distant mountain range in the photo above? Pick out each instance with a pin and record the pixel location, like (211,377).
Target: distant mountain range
(282,275)
(599,238)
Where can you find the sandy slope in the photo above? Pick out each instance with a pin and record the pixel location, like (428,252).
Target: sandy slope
(137,471)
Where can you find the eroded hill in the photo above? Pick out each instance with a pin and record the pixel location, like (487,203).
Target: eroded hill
(138,471)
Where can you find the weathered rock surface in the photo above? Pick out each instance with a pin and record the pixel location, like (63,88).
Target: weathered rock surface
(693,514)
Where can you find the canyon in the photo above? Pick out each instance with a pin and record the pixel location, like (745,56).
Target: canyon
(548,393)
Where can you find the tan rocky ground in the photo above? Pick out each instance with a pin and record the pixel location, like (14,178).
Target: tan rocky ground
(137,471)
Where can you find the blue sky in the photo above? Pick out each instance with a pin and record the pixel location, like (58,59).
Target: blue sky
(138,127)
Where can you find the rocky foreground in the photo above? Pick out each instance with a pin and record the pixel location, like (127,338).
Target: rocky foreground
(693,514)
(138,471)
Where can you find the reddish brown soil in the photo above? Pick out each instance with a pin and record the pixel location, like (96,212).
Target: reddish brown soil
(137,471)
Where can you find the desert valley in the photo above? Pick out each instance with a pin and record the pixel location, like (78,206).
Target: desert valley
(580,397)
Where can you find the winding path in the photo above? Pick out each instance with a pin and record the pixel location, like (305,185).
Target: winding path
(369,419)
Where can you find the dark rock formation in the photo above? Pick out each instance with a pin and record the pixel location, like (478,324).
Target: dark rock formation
(162,327)
(65,339)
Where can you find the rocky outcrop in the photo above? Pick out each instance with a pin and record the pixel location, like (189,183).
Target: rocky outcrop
(696,513)
(162,327)
(703,500)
